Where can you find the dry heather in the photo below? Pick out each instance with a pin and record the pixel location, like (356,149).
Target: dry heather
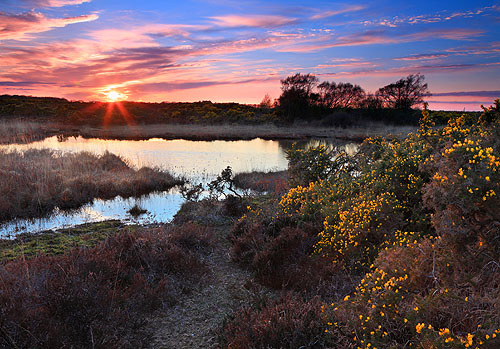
(33,183)
(98,297)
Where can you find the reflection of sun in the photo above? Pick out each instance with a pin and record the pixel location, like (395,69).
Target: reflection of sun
(114,96)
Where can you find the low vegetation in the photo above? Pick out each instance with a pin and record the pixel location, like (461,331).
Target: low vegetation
(51,243)
(395,246)
(99,296)
(261,181)
(34,182)
(409,229)
(303,98)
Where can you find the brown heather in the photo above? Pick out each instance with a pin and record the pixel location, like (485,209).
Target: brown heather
(98,297)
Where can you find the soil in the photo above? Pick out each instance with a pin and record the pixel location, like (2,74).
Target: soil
(195,320)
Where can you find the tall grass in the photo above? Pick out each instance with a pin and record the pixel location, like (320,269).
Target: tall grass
(21,131)
(34,182)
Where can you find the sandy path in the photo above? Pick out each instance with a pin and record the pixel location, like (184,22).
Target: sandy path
(194,321)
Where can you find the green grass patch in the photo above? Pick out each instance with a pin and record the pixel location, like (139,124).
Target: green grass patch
(59,241)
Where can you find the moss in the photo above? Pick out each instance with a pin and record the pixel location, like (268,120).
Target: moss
(58,242)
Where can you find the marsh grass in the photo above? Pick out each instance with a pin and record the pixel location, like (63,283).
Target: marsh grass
(23,131)
(35,182)
(262,181)
(51,243)
(242,131)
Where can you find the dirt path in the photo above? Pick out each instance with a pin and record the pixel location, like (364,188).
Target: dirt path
(193,322)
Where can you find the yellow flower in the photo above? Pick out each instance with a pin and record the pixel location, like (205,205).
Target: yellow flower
(419,327)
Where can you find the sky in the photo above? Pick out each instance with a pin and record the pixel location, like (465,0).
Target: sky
(237,51)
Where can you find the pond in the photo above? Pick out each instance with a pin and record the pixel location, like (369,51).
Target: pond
(196,161)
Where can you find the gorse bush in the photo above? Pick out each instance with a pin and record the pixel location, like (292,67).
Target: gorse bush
(417,220)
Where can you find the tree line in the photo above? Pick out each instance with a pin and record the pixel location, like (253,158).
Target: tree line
(304,97)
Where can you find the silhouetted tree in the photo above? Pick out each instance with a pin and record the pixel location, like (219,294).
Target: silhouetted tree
(341,95)
(297,94)
(372,101)
(266,102)
(404,93)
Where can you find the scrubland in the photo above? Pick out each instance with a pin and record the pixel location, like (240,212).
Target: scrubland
(400,242)
(397,246)
(98,296)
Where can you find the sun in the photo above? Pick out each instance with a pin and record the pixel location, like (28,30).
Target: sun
(114,96)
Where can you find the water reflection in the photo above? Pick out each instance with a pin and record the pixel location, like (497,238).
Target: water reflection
(197,161)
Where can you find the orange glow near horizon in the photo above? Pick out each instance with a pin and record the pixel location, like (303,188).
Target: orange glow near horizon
(129,119)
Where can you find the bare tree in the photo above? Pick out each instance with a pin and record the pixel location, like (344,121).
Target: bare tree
(341,95)
(404,93)
(266,102)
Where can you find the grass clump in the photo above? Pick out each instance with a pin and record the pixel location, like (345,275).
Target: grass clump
(51,243)
(35,182)
(98,296)
(273,182)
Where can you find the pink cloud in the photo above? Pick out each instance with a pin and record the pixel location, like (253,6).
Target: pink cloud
(412,69)
(428,18)
(54,3)
(255,21)
(422,57)
(19,27)
(327,14)
(380,37)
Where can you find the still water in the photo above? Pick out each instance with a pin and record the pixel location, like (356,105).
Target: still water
(196,161)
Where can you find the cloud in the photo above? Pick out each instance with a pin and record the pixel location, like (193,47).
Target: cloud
(24,83)
(252,21)
(422,56)
(20,26)
(53,3)
(412,69)
(380,37)
(468,94)
(450,34)
(332,13)
(429,18)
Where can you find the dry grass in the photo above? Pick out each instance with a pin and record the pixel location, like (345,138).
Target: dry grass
(262,181)
(19,131)
(33,183)
(239,131)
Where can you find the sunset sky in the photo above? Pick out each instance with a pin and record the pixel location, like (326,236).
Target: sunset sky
(223,50)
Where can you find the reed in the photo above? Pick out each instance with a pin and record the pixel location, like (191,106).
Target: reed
(34,182)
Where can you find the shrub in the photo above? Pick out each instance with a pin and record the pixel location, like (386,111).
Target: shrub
(97,297)
(290,322)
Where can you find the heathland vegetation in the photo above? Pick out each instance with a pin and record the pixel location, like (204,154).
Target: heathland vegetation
(395,246)
(302,100)
(400,243)
(35,182)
